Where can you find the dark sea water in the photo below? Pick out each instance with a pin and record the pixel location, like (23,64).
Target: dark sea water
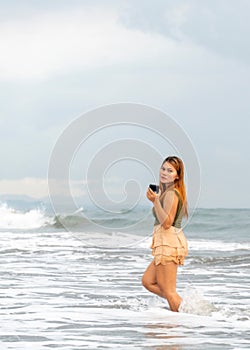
(74,281)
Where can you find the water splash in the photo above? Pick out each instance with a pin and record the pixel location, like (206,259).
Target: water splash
(14,219)
(193,302)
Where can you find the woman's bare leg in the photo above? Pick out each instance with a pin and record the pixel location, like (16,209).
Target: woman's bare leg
(161,280)
(166,282)
(149,280)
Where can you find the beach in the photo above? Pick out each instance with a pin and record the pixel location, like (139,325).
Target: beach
(78,289)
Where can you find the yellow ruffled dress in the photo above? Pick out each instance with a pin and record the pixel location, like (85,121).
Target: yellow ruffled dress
(169,244)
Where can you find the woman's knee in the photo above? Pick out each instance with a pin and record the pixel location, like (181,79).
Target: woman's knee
(144,281)
(149,277)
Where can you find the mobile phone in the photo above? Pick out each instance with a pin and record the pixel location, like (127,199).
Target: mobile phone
(154,188)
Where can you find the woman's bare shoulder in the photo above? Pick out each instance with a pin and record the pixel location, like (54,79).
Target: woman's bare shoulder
(169,195)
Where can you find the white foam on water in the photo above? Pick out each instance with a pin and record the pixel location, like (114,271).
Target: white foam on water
(13,219)
(56,292)
(206,245)
(193,302)
(217,245)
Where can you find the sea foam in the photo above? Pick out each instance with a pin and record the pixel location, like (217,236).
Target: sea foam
(13,219)
(193,302)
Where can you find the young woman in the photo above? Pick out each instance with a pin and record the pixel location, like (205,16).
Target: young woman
(169,245)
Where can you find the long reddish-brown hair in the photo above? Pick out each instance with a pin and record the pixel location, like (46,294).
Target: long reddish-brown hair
(179,184)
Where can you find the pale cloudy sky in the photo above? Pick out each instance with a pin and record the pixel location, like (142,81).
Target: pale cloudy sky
(190,59)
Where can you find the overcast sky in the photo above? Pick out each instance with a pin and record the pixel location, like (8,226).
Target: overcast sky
(190,59)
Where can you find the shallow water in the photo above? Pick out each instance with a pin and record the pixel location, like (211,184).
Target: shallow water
(59,292)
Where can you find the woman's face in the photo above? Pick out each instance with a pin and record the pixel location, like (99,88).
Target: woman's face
(167,173)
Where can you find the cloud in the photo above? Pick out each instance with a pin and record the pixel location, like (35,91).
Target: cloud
(38,187)
(33,187)
(188,58)
(220,26)
(57,43)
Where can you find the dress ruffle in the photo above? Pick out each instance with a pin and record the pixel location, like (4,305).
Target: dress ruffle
(169,245)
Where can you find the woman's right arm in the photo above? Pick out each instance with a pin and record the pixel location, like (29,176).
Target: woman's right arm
(166,214)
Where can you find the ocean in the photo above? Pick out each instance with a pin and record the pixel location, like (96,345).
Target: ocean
(74,281)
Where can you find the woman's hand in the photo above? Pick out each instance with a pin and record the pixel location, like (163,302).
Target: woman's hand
(152,196)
